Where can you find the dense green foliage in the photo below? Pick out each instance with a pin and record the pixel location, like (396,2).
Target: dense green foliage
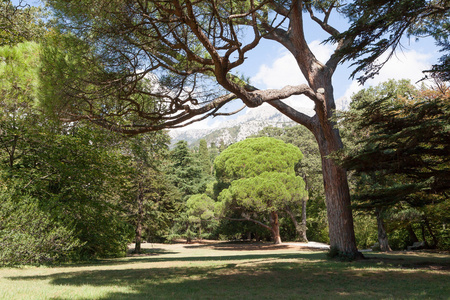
(406,132)
(309,168)
(252,157)
(19,22)
(201,215)
(190,174)
(187,172)
(377,27)
(63,187)
(256,178)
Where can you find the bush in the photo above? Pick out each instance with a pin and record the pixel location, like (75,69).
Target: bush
(28,235)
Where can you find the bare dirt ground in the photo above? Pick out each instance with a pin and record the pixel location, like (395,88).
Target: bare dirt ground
(221,247)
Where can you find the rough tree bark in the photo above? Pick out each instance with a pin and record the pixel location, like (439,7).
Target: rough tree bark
(382,234)
(275,227)
(304,237)
(319,77)
(139,218)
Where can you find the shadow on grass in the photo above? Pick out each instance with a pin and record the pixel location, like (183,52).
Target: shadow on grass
(150,251)
(159,259)
(408,261)
(241,246)
(308,278)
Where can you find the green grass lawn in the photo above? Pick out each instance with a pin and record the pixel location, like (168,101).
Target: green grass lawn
(227,271)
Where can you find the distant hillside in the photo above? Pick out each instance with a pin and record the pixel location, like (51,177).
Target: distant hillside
(235,130)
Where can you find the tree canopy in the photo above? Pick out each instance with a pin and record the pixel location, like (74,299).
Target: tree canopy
(377,27)
(404,130)
(258,177)
(19,22)
(310,170)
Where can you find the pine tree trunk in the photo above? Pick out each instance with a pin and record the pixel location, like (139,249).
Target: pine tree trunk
(433,236)
(339,213)
(301,232)
(382,234)
(275,227)
(412,234)
(139,218)
(319,78)
(304,238)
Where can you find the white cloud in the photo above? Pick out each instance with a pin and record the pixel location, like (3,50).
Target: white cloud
(321,51)
(284,70)
(403,65)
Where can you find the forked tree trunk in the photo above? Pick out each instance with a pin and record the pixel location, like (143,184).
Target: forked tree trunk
(382,234)
(319,78)
(300,228)
(275,225)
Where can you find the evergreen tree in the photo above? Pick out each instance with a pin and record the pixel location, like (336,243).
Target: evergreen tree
(309,168)
(204,157)
(258,180)
(151,202)
(186,172)
(201,215)
(377,27)
(405,131)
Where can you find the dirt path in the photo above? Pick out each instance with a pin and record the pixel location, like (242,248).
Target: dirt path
(224,248)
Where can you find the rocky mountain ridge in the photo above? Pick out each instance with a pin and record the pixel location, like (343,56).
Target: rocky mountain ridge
(238,129)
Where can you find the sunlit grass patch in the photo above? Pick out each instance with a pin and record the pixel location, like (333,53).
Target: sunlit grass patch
(221,273)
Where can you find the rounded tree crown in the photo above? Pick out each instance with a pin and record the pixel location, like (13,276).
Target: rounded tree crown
(254,156)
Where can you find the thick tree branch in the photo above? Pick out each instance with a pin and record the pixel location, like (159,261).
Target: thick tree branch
(295,115)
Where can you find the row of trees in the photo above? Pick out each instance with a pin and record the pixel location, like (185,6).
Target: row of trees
(139,66)
(194,49)
(73,191)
